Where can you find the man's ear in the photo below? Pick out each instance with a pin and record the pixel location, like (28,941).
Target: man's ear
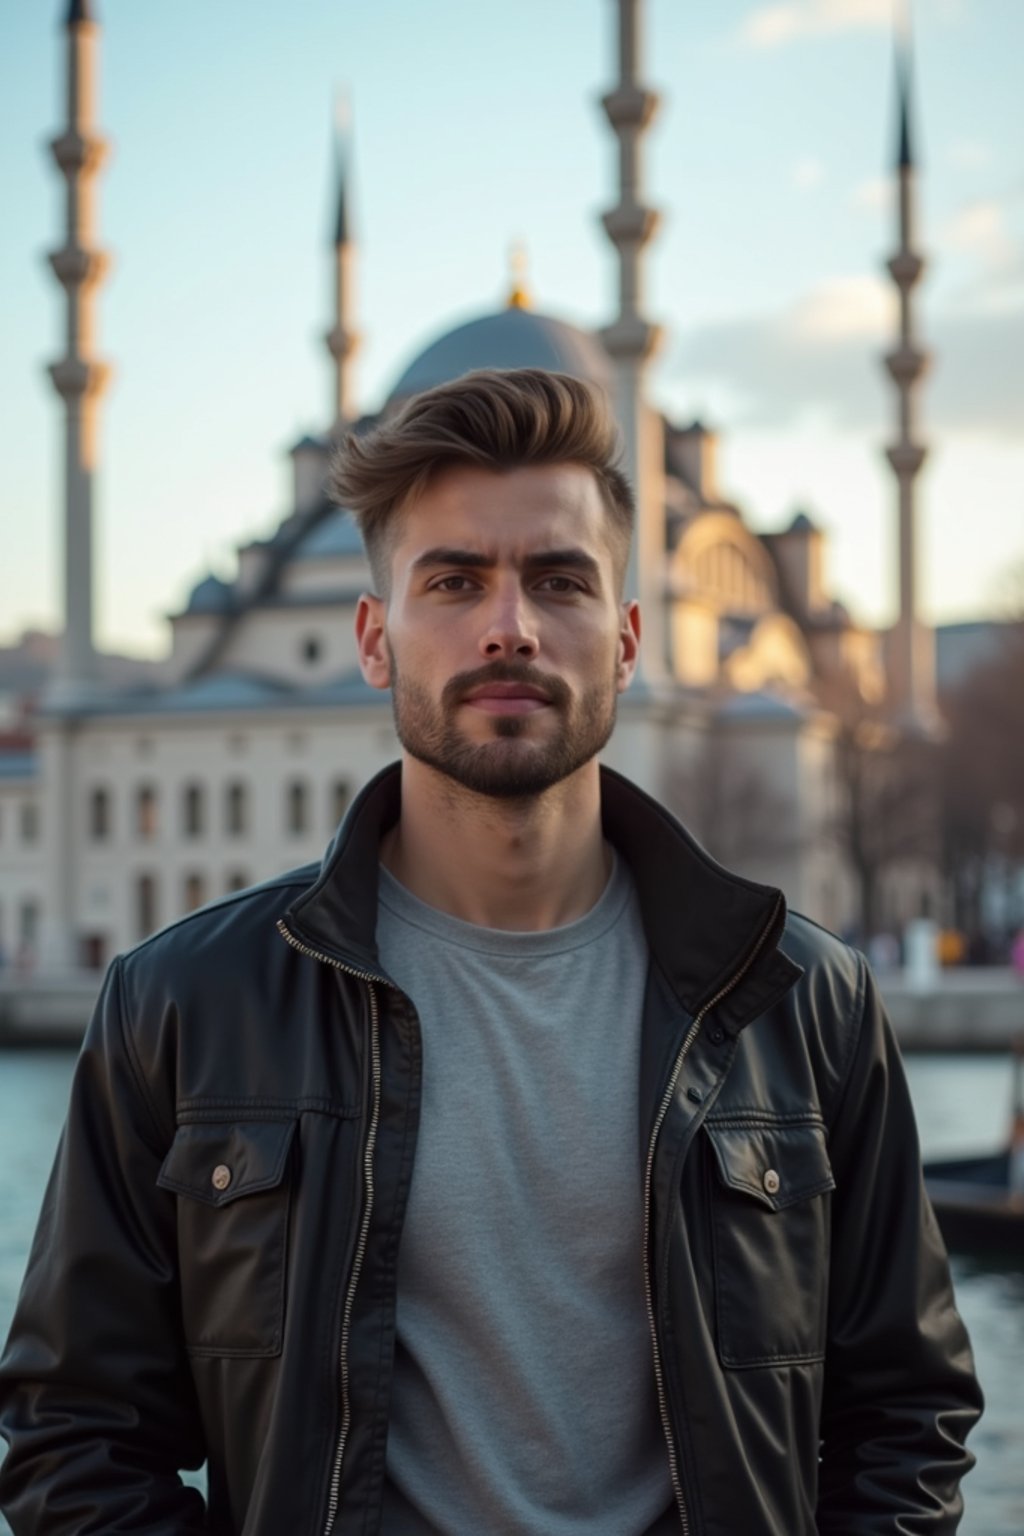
(629,644)
(372,640)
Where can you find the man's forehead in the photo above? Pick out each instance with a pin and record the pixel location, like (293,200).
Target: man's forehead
(524,512)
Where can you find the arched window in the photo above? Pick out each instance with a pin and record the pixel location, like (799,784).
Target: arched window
(146,811)
(193,810)
(99,815)
(237,880)
(297,807)
(312,649)
(145,905)
(236,809)
(195,891)
(29,821)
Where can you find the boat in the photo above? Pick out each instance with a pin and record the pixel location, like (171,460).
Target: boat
(979,1201)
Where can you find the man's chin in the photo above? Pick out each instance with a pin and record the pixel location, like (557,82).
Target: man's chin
(509,768)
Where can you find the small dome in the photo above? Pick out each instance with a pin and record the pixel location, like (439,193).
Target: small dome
(510,338)
(305,443)
(211,595)
(334,535)
(801,524)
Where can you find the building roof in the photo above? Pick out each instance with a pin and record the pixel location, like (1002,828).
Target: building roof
(762,704)
(225,692)
(509,338)
(334,536)
(211,595)
(18,765)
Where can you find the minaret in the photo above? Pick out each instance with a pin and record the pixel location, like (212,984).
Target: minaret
(79,377)
(912,651)
(343,339)
(631,340)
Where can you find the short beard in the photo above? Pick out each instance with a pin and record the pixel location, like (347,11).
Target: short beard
(429,733)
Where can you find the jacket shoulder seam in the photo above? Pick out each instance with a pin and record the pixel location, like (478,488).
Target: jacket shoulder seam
(855,1029)
(134,1065)
(291,881)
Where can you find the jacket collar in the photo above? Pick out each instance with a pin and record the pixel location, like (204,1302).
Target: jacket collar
(705,926)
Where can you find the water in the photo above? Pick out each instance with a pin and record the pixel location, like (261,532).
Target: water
(962,1105)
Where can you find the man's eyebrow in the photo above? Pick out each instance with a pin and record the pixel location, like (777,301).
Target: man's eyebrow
(565,559)
(473,559)
(444,555)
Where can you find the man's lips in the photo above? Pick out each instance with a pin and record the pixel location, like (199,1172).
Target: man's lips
(508,698)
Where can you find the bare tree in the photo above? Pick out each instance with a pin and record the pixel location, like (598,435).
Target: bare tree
(886,808)
(733,807)
(982,778)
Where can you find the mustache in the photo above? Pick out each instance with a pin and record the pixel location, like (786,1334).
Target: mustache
(457,687)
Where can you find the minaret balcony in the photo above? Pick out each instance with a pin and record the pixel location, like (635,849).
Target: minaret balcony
(631,224)
(76,267)
(906,458)
(630,106)
(341,343)
(906,364)
(76,152)
(631,337)
(74,378)
(905,268)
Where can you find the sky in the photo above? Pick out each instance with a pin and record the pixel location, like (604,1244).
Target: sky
(476,123)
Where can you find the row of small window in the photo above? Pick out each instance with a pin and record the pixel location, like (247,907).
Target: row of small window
(27,821)
(194,809)
(17,944)
(18,948)
(195,889)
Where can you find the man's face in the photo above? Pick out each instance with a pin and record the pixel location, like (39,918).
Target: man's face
(503,638)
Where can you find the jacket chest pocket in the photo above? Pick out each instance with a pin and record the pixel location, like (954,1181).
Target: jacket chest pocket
(233,1194)
(771,1211)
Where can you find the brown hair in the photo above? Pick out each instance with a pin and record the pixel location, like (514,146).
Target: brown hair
(495,419)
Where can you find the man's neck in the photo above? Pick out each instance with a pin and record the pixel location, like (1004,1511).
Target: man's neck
(522,865)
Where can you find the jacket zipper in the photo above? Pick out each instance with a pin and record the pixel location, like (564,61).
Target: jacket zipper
(334,1489)
(659,1374)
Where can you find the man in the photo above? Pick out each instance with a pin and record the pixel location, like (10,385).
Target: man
(519,1171)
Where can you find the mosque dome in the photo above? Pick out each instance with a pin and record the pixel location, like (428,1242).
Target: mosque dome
(510,338)
(211,595)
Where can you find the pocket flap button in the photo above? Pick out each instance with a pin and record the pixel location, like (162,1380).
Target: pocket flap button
(220,1178)
(770,1181)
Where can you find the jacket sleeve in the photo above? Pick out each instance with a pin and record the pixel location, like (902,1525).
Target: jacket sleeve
(900,1388)
(96,1398)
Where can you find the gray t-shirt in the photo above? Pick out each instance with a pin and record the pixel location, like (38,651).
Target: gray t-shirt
(523,1399)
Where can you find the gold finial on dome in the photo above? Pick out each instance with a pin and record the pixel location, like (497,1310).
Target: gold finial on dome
(518,294)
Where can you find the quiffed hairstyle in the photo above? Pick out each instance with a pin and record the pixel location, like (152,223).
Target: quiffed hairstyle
(494,419)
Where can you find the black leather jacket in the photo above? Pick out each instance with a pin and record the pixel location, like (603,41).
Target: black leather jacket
(214,1272)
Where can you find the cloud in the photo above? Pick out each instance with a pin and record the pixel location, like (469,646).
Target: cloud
(771,25)
(808,172)
(980,230)
(970,154)
(824,354)
(875,194)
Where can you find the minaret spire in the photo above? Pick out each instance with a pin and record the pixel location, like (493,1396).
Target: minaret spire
(912,658)
(631,339)
(79,377)
(343,339)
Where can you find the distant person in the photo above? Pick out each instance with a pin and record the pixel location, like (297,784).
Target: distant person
(883,951)
(1017,954)
(518,1171)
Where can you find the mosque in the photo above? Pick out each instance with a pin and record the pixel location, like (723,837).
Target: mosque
(132,805)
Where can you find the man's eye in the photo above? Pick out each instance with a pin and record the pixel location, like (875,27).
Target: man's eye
(562,585)
(452,584)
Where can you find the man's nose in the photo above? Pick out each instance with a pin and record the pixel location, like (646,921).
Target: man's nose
(510,630)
